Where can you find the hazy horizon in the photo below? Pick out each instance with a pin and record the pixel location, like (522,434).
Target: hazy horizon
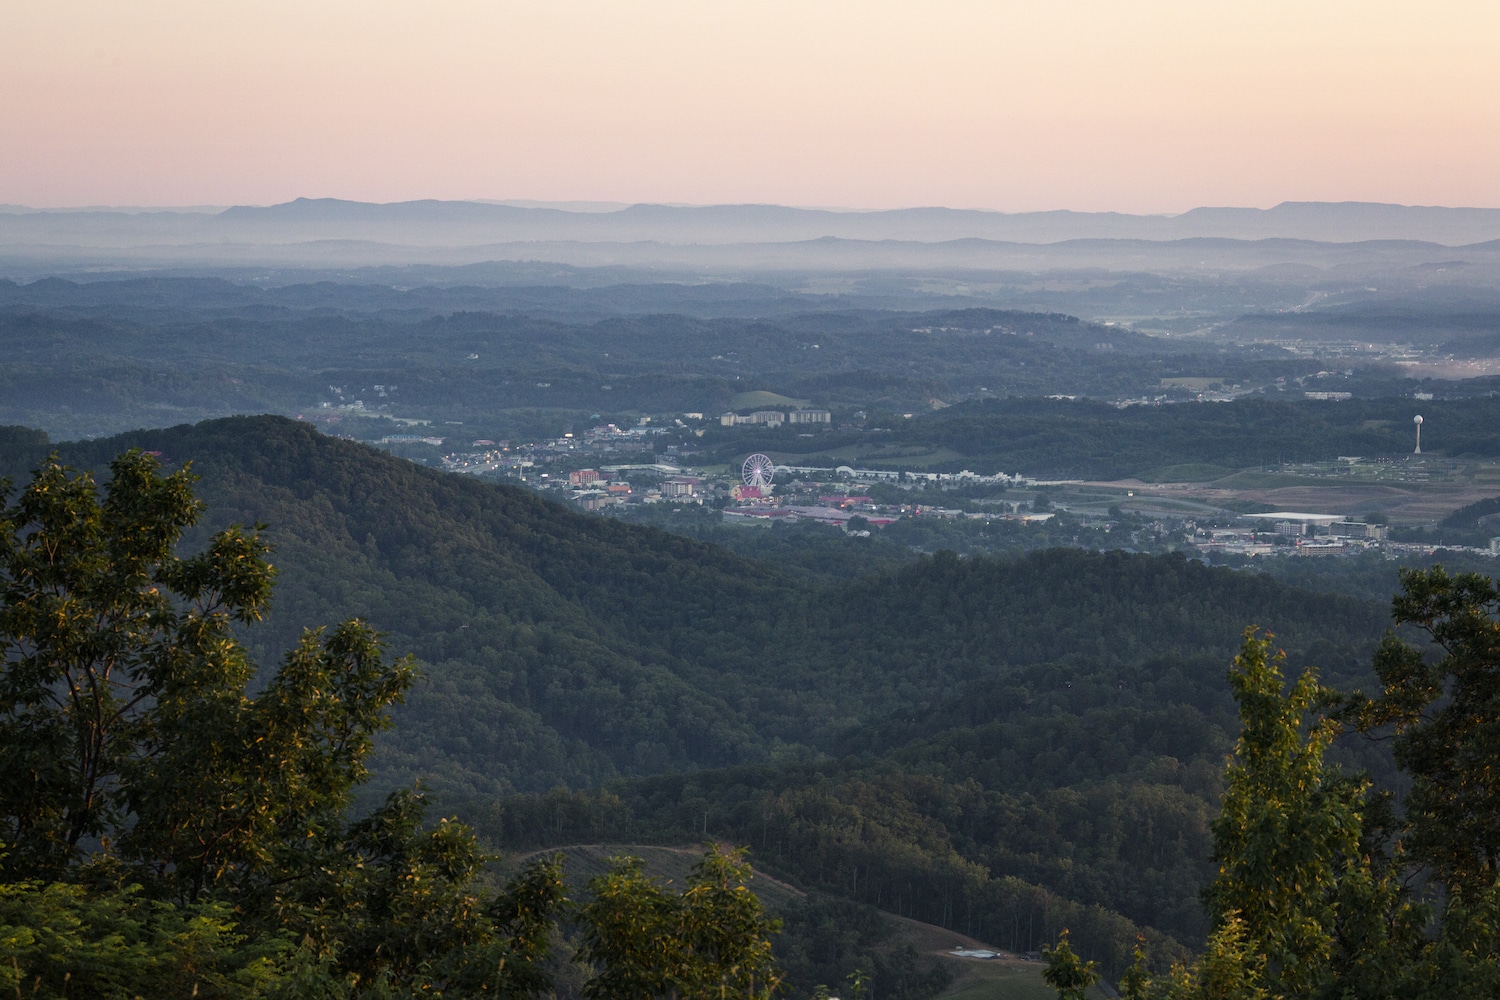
(1150,107)
(602,207)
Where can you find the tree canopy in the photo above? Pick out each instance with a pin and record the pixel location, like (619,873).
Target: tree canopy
(167,831)
(1320,892)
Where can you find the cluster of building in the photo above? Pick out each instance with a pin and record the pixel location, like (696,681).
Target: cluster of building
(495,457)
(837,495)
(845,472)
(827,496)
(1296,533)
(775,418)
(1280,532)
(500,457)
(840,511)
(593,489)
(411,439)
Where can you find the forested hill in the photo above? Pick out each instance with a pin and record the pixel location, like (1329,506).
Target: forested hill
(564,648)
(998,746)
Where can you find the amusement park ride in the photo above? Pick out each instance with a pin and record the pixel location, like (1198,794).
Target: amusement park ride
(756,476)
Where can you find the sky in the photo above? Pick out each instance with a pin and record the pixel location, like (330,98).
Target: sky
(1142,106)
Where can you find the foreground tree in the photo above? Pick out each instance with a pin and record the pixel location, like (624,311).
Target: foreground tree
(165,833)
(1067,972)
(139,769)
(1444,715)
(1314,895)
(65,940)
(1288,827)
(712,940)
(126,731)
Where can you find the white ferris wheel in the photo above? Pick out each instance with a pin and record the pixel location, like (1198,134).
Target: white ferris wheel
(758,471)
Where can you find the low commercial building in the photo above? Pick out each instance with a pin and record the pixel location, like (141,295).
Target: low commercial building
(767,418)
(809,417)
(1321,548)
(1295,523)
(1357,529)
(594,499)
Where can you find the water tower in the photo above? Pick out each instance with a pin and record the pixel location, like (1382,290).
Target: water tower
(1418,421)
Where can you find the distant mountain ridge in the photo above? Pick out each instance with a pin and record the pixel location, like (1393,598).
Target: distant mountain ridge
(454,223)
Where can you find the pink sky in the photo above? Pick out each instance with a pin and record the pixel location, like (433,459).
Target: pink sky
(1127,105)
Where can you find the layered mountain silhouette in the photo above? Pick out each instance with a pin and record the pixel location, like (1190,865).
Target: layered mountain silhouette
(454,223)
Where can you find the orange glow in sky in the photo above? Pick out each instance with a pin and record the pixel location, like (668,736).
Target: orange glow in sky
(1127,105)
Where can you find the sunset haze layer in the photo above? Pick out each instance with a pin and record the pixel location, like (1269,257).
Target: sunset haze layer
(1137,107)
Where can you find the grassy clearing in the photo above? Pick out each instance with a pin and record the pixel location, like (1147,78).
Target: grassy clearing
(1266,481)
(996,980)
(760,398)
(1189,473)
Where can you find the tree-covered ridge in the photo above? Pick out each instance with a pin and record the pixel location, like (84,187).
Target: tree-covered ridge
(97,357)
(1059,797)
(1111,859)
(164,831)
(1053,723)
(560,647)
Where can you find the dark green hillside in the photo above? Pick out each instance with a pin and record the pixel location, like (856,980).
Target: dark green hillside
(1050,797)
(568,648)
(984,744)
(559,647)
(511,602)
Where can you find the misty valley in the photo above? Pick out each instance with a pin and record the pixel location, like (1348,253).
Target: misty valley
(462,599)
